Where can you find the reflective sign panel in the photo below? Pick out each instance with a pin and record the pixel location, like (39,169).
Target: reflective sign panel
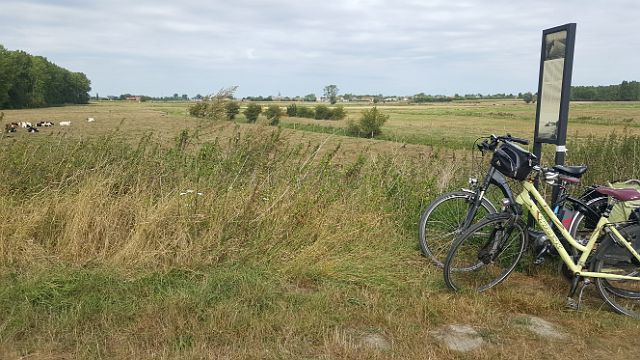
(553,89)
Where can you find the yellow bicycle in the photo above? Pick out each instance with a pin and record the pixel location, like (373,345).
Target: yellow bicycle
(484,255)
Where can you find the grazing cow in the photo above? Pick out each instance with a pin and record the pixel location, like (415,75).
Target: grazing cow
(32,130)
(91,119)
(44,124)
(65,123)
(25,124)
(10,128)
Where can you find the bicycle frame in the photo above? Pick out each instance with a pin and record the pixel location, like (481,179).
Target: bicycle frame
(492,177)
(525,199)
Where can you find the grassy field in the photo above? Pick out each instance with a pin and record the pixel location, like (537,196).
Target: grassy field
(459,123)
(300,245)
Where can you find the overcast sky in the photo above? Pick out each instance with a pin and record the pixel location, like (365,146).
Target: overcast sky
(296,47)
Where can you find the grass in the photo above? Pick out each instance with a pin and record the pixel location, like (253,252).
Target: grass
(301,245)
(440,124)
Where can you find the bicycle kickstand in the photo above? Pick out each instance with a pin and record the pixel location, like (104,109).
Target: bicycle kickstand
(572,303)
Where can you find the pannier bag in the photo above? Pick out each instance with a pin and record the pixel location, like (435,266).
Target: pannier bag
(513,161)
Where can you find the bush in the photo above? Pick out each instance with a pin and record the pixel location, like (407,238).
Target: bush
(273,114)
(215,107)
(322,112)
(292,110)
(338,113)
(370,123)
(198,109)
(305,112)
(233,109)
(252,112)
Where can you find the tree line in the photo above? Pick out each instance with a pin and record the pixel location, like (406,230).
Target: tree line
(625,91)
(28,81)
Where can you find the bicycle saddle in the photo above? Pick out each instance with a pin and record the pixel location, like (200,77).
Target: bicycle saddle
(575,171)
(620,194)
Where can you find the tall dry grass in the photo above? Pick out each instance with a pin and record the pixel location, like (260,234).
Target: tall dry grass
(107,201)
(286,254)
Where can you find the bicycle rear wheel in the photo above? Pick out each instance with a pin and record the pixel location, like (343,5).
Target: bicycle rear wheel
(622,295)
(486,253)
(581,226)
(442,222)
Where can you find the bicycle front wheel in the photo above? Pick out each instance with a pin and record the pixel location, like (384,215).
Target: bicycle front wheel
(442,222)
(486,253)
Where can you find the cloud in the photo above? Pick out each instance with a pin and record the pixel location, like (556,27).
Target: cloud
(402,46)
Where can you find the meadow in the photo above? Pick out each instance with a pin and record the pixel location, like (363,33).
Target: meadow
(151,234)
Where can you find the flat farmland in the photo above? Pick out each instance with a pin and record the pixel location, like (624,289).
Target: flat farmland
(455,124)
(459,123)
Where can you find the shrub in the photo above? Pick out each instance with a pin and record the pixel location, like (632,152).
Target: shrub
(338,113)
(252,112)
(215,107)
(273,114)
(305,112)
(322,112)
(198,109)
(232,108)
(369,124)
(292,110)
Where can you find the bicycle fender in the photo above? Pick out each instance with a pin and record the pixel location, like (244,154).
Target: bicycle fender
(610,250)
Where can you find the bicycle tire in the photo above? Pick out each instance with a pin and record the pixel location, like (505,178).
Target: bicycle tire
(621,295)
(581,227)
(469,264)
(441,221)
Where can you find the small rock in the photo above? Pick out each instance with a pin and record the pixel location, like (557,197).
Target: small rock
(460,338)
(540,327)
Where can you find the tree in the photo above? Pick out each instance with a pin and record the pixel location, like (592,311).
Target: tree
(252,112)
(5,77)
(370,123)
(331,93)
(273,114)
(629,91)
(32,81)
(527,97)
(310,98)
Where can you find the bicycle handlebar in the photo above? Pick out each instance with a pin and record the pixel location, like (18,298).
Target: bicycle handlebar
(491,142)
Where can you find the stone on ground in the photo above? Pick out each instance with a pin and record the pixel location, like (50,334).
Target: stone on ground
(461,338)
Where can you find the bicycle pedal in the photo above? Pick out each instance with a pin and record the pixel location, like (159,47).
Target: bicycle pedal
(572,304)
(539,261)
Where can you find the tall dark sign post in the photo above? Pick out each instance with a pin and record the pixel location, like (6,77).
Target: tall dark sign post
(554,87)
